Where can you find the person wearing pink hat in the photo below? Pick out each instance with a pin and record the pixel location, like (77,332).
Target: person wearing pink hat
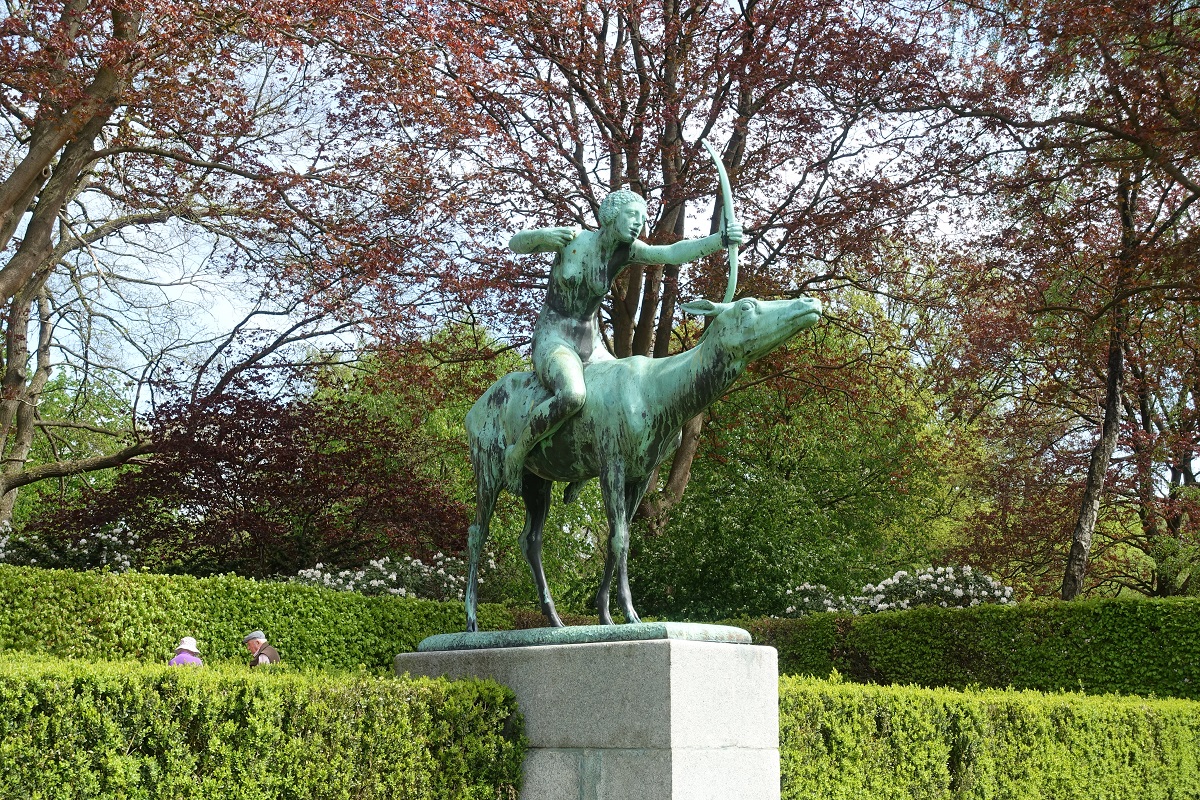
(186,653)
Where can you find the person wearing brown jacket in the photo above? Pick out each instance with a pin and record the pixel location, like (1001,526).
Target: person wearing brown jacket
(260,652)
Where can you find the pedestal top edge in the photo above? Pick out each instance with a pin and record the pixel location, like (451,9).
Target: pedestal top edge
(585,634)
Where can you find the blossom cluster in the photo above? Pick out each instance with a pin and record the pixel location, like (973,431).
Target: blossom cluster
(112,548)
(934,586)
(808,598)
(444,578)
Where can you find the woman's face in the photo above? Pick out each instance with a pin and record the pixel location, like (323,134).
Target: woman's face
(629,221)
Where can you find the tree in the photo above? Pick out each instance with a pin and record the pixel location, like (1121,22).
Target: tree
(1158,482)
(75,423)
(1077,121)
(162,153)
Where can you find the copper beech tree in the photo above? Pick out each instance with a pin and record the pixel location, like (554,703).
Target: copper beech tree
(261,486)
(1074,129)
(191,190)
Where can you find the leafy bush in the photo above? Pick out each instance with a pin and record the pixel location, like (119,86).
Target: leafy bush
(324,479)
(799,481)
(936,586)
(871,742)
(140,616)
(79,730)
(1128,646)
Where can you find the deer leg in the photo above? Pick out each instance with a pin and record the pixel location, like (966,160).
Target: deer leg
(634,491)
(612,486)
(487,488)
(535,492)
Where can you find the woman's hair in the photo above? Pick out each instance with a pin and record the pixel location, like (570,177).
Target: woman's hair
(612,204)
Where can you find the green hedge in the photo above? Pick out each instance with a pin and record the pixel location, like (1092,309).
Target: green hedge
(1146,647)
(96,615)
(122,730)
(846,741)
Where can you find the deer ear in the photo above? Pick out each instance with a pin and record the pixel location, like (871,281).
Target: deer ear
(704,308)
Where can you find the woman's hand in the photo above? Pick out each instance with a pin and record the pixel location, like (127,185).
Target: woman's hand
(732,234)
(558,238)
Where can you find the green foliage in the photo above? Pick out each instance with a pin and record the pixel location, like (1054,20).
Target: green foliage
(867,742)
(79,730)
(838,485)
(86,409)
(92,615)
(1147,647)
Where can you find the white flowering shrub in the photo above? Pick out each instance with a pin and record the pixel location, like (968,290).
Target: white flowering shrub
(444,578)
(808,598)
(934,586)
(112,547)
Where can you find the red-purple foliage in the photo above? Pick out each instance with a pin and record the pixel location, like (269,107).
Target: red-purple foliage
(261,487)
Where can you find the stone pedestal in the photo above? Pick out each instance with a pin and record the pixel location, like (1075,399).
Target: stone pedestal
(651,719)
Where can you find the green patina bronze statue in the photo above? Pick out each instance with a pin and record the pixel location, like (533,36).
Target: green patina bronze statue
(567,333)
(583,414)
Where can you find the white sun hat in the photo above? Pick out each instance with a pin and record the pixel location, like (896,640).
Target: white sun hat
(189,644)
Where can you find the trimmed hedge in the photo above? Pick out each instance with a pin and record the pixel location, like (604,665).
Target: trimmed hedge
(871,742)
(1145,647)
(77,730)
(106,616)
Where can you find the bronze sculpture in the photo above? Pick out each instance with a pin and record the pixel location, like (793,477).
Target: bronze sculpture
(567,333)
(583,414)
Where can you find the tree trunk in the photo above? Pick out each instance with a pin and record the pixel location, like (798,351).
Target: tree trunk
(22,392)
(1114,385)
(1085,526)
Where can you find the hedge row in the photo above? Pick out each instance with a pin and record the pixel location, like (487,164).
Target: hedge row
(78,730)
(1146,647)
(105,616)
(1125,646)
(841,741)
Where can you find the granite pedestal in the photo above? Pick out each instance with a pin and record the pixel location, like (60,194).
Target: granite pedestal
(666,716)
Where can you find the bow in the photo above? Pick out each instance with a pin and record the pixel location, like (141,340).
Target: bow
(726,218)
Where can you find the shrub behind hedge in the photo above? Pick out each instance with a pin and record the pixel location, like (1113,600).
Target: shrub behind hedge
(842,740)
(78,730)
(96,615)
(1147,647)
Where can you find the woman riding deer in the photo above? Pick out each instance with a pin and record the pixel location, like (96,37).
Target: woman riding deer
(567,333)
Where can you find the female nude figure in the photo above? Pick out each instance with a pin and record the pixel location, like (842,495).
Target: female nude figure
(567,333)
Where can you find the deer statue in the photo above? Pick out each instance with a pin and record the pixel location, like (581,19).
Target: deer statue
(632,418)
